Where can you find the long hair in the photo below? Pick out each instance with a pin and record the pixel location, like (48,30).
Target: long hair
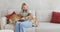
(23,5)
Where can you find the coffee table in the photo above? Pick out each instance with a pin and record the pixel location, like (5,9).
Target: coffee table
(6,30)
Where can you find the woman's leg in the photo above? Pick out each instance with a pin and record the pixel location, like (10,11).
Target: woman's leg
(17,27)
(26,24)
(21,26)
(22,29)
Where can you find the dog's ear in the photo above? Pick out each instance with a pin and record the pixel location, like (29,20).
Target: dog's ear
(30,15)
(8,21)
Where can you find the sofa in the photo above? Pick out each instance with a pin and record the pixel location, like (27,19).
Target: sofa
(42,27)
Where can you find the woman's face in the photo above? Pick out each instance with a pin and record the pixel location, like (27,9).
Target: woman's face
(25,8)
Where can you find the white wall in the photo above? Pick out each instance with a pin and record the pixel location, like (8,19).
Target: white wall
(43,8)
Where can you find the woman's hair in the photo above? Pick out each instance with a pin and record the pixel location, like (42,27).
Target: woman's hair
(23,5)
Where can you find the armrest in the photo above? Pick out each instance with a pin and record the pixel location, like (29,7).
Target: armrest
(3,22)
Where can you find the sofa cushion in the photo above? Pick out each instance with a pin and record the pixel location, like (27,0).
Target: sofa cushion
(55,17)
(6,31)
(9,27)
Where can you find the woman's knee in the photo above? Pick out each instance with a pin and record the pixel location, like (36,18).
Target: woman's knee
(17,23)
(22,23)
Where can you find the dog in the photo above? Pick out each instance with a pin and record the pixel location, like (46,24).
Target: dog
(33,19)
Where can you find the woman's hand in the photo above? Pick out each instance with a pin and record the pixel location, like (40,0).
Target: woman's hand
(22,18)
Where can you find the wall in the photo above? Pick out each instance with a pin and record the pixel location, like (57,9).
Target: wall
(43,8)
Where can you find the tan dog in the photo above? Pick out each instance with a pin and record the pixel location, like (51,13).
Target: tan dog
(34,20)
(14,18)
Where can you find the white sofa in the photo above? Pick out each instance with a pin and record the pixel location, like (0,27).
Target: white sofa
(43,26)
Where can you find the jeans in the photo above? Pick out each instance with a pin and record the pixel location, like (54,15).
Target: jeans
(21,26)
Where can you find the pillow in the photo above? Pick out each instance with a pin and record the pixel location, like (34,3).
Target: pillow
(9,15)
(55,17)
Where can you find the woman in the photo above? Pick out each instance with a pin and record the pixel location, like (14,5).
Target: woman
(25,21)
